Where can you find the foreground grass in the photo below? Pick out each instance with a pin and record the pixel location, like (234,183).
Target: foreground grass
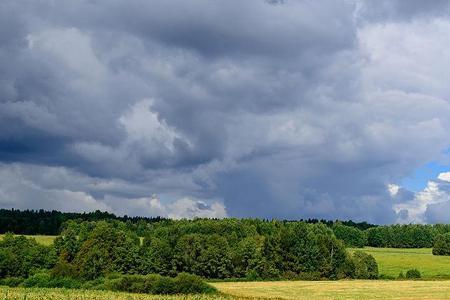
(392,261)
(68,294)
(337,290)
(41,239)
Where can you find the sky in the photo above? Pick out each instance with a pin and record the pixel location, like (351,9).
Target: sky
(273,109)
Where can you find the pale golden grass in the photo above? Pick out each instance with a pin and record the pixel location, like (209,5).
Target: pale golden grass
(339,290)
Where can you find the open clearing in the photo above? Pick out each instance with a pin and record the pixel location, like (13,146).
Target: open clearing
(344,289)
(391,261)
(41,239)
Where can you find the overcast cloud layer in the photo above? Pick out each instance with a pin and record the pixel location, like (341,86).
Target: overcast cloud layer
(285,109)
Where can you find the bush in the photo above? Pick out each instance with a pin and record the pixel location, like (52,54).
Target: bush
(11,281)
(156,284)
(441,244)
(401,275)
(413,274)
(45,280)
(191,284)
(366,266)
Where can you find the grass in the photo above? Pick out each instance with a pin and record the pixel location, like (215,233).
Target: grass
(67,294)
(392,261)
(338,290)
(41,239)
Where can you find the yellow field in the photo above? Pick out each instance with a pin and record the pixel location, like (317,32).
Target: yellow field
(64,294)
(41,239)
(281,290)
(392,261)
(339,290)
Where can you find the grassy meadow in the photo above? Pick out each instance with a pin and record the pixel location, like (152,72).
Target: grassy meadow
(337,290)
(392,261)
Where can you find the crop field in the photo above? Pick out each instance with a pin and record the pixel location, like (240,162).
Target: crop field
(67,294)
(41,239)
(392,261)
(337,290)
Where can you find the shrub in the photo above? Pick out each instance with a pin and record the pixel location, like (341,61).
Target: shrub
(366,266)
(413,274)
(441,244)
(45,280)
(190,284)
(156,284)
(165,285)
(11,281)
(401,275)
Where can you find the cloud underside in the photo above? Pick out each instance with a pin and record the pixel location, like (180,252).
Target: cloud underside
(287,109)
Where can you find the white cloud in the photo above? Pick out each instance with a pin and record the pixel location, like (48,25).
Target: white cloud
(393,189)
(144,126)
(445,176)
(190,208)
(421,208)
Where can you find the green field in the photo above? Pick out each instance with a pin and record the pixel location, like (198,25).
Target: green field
(392,261)
(339,290)
(41,239)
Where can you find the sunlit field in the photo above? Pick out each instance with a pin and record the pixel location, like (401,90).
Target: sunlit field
(41,239)
(392,261)
(343,289)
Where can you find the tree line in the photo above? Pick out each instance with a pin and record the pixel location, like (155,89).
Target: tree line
(392,236)
(42,222)
(354,234)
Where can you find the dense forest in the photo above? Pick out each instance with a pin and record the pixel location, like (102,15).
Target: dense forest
(252,249)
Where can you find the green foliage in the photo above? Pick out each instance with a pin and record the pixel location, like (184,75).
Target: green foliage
(107,249)
(365,265)
(156,256)
(45,280)
(403,236)
(413,274)
(352,237)
(11,281)
(156,284)
(442,244)
(20,256)
(215,249)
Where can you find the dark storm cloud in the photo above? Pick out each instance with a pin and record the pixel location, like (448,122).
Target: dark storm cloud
(287,109)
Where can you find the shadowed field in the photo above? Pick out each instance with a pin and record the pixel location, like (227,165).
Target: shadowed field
(344,289)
